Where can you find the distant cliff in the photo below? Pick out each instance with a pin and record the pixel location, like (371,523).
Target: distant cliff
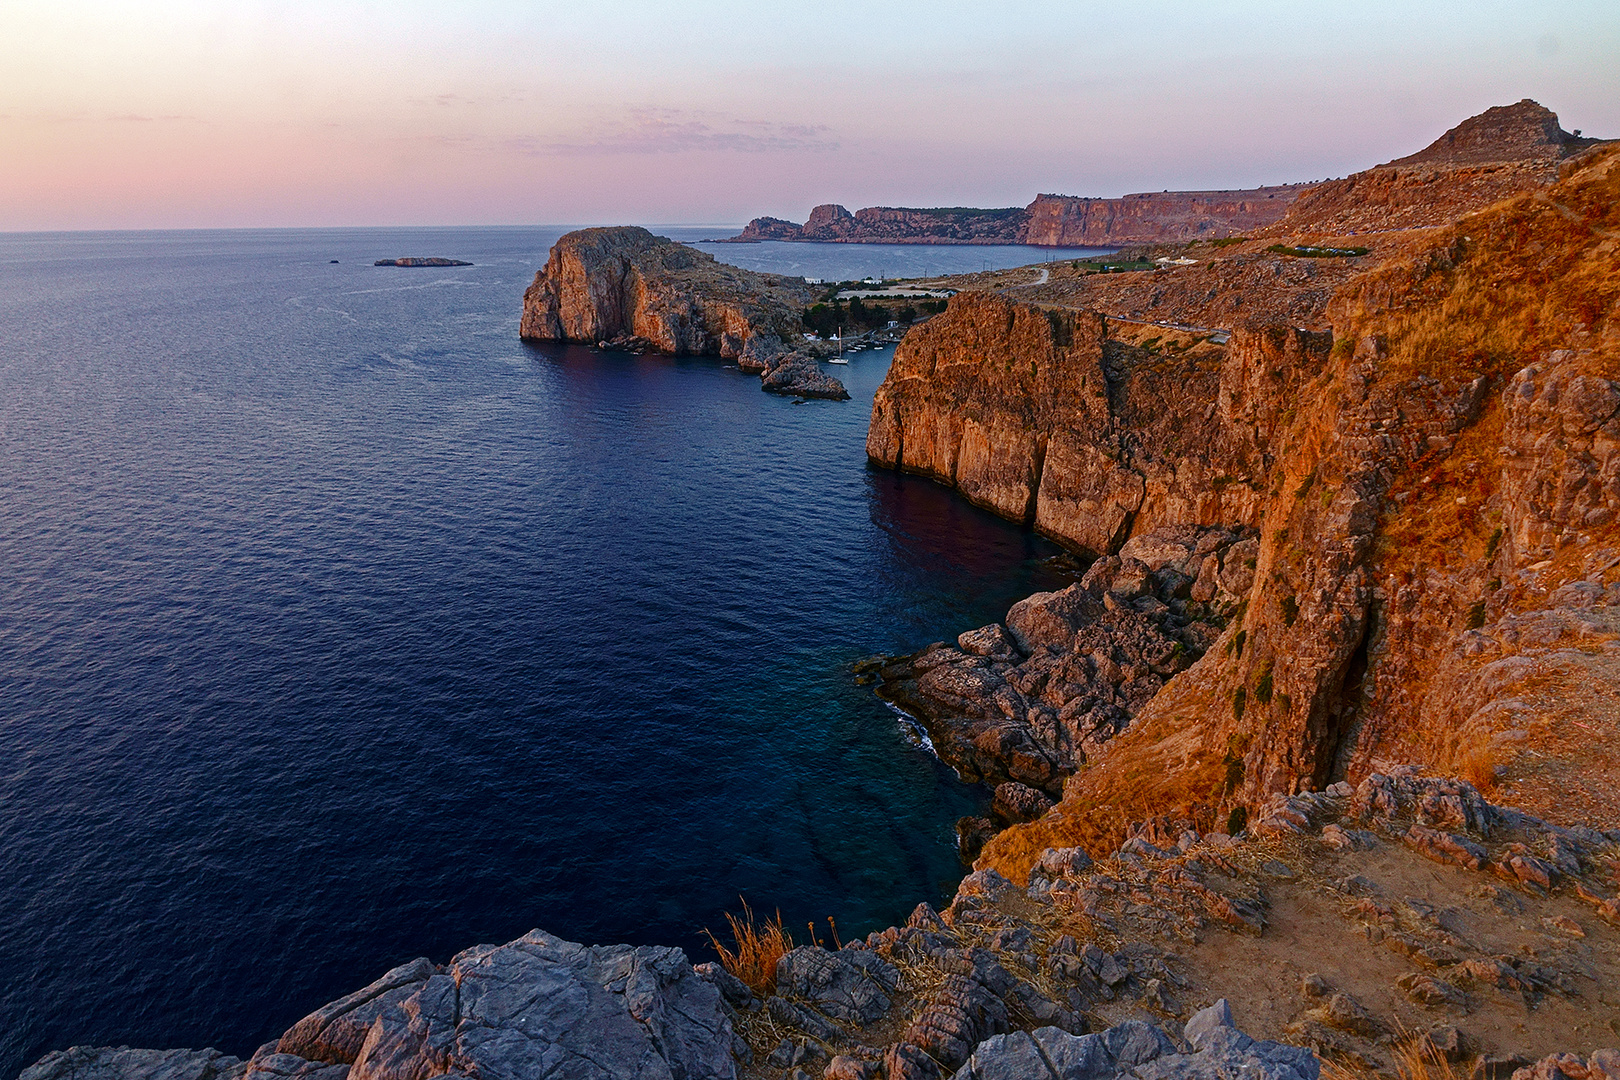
(625,288)
(1051,220)
(831,223)
(1156,217)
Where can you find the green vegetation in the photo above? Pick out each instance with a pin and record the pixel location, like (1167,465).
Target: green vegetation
(1240,699)
(1290,610)
(1262,689)
(1476,616)
(1309,252)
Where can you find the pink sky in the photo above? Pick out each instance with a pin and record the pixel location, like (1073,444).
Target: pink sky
(190,114)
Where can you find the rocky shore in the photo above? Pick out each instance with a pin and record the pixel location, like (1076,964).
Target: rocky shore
(624,288)
(1404,916)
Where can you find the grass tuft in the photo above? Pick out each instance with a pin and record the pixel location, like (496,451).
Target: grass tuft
(760,943)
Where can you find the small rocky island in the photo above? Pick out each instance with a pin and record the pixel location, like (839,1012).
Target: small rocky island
(414,261)
(624,288)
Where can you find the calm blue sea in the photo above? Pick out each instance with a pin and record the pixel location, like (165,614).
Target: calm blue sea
(339,627)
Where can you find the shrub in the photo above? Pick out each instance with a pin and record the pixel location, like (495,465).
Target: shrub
(1290,610)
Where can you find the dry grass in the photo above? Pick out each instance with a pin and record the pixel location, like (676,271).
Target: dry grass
(1415,1058)
(760,943)
(1477,765)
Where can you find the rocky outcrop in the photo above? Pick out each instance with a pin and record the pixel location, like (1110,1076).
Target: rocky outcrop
(1021,706)
(626,288)
(1525,131)
(831,223)
(1487,158)
(1156,217)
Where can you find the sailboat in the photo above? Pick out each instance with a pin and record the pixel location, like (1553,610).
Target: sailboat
(839,359)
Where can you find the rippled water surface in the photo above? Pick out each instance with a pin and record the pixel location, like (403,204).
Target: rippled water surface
(338,627)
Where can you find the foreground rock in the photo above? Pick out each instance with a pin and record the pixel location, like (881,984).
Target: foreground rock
(625,288)
(1132,965)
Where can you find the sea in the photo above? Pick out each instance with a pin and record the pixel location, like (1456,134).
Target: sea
(340,627)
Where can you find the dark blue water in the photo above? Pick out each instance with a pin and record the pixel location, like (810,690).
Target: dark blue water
(337,627)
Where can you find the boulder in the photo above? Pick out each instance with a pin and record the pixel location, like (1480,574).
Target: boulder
(851,985)
(543,1006)
(336,1031)
(124,1063)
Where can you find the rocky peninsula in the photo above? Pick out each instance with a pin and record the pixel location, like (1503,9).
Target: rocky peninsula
(1314,768)
(624,288)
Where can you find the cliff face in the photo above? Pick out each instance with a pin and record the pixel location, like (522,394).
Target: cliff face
(1156,217)
(1036,414)
(599,284)
(624,287)
(831,223)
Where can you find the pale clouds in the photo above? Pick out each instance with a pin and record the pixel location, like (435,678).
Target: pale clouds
(652,130)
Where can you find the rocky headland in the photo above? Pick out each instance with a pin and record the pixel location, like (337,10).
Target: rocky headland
(831,223)
(624,288)
(1314,768)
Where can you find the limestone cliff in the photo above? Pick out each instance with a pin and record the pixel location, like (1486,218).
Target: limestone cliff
(1156,217)
(626,288)
(1036,414)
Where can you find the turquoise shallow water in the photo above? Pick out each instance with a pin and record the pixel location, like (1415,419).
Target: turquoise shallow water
(338,627)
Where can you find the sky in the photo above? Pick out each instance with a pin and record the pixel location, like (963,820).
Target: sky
(228,113)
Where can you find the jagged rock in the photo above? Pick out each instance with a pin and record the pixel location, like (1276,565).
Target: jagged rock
(1448,1042)
(1347,1014)
(291,1067)
(124,1063)
(802,1019)
(851,984)
(1429,991)
(795,373)
(1446,847)
(992,641)
(1049,620)
(845,1067)
(1602,1065)
(904,1061)
(1497,1066)
(1020,802)
(335,1032)
(542,1005)
(1063,862)
(733,990)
